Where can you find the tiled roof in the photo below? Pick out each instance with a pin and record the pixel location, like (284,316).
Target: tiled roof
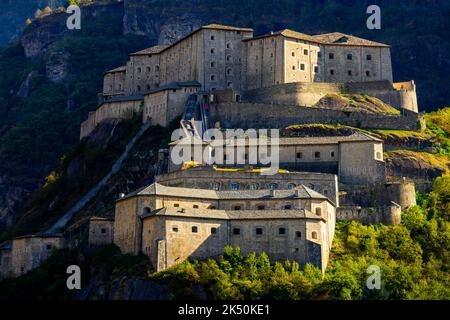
(152,50)
(299,192)
(234,214)
(224,27)
(355,137)
(286,33)
(174,85)
(337,38)
(40,235)
(119,69)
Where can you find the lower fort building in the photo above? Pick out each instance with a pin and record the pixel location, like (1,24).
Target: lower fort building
(171,224)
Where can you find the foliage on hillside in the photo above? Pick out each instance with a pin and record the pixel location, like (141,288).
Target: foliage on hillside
(413,258)
(35,131)
(355,102)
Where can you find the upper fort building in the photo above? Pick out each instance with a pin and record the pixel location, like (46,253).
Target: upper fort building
(222,57)
(284,67)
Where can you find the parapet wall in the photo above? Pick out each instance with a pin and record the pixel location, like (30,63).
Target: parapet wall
(121,109)
(398,95)
(388,215)
(379,195)
(262,115)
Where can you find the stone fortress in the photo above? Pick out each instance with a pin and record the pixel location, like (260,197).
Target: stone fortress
(224,77)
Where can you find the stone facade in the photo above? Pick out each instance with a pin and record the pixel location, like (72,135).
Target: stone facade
(143,218)
(307,94)
(247,115)
(388,215)
(164,104)
(356,159)
(206,177)
(25,253)
(101,231)
(288,56)
(113,108)
(171,236)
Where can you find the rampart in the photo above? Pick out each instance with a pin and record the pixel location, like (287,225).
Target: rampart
(388,215)
(262,115)
(398,95)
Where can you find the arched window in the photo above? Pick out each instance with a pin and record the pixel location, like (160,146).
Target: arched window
(291,186)
(237,208)
(314,235)
(287,207)
(273,186)
(147,210)
(254,186)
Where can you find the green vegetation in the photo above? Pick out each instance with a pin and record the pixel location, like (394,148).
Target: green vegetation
(102,266)
(421,159)
(355,102)
(35,131)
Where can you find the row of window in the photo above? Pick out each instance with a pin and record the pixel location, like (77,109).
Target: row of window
(318,210)
(147,69)
(258,231)
(350,72)
(317,155)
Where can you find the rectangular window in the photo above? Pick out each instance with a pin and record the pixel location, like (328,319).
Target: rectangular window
(305,52)
(213,230)
(302,67)
(317,155)
(195,206)
(194,229)
(258,231)
(281,231)
(299,155)
(236,231)
(349,72)
(175,229)
(369,57)
(331,55)
(103,230)
(316,69)
(349,56)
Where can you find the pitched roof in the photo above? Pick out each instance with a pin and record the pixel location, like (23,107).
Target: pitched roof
(288,33)
(299,192)
(174,85)
(338,38)
(224,27)
(152,50)
(335,38)
(355,137)
(119,69)
(233,214)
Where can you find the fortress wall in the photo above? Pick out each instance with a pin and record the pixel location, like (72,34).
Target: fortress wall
(201,178)
(309,93)
(361,163)
(259,115)
(110,110)
(388,215)
(101,232)
(88,125)
(379,195)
